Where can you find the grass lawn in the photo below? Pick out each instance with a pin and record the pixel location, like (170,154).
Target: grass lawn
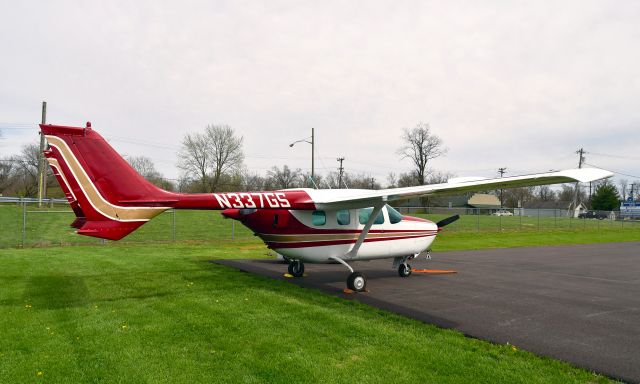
(163,313)
(50,226)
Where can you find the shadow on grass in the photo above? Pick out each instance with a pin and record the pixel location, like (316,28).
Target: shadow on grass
(53,292)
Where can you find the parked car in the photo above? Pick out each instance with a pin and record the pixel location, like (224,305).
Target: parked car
(502,212)
(600,215)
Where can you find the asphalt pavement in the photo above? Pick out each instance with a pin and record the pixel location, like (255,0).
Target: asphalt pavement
(580,304)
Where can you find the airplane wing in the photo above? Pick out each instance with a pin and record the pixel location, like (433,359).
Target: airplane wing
(324,199)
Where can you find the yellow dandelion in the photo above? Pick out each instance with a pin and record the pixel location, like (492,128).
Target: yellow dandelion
(125,326)
(40,374)
(27,305)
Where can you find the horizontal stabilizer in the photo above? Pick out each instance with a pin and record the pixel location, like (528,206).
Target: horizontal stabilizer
(78,222)
(111,230)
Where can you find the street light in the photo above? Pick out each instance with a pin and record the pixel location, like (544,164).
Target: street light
(312,160)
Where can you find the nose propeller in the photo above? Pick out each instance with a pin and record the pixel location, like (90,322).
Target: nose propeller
(447,221)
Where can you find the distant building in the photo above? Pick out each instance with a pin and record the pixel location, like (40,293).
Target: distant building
(484,201)
(630,209)
(550,209)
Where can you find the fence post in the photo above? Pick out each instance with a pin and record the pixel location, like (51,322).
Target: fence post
(173,226)
(521,210)
(24,222)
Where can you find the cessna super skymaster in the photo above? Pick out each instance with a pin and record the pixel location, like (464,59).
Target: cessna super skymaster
(111,200)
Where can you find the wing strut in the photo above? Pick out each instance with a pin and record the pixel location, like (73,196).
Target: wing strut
(376,210)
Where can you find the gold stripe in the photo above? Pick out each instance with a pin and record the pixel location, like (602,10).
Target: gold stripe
(54,164)
(92,194)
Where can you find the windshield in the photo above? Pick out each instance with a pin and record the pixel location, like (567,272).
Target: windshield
(394,216)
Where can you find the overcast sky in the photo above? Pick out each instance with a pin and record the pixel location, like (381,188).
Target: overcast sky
(513,84)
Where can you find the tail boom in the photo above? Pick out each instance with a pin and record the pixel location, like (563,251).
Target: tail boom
(111,200)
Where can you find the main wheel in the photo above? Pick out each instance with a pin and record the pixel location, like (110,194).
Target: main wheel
(404,270)
(356,282)
(296,268)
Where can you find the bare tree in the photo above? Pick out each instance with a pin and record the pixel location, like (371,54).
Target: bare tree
(438,177)
(207,157)
(420,146)
(226,151)
(145,167)
(361,181)
(518,197)
(194,159)
(545,193)
(283,178)
(392,180)
(23,176)
(623,187)
(253,182)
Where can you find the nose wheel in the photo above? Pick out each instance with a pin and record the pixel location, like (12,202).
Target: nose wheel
(404,270)
(296,268)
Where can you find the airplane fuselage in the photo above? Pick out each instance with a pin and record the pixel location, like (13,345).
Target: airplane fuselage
(318,236)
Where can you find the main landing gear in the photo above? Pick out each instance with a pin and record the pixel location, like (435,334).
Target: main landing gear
(296,268)
(356,280)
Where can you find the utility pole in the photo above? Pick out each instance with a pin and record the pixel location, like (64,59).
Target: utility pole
(341,170)
(372,182)
(313,178)
(42,178)
(580,152)
(501,171)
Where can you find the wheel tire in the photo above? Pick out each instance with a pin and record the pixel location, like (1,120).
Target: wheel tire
(296,268)
(356,282)
(404,270)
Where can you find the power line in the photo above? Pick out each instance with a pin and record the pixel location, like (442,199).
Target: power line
(610,170)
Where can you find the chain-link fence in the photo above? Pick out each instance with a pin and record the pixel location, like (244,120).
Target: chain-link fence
(24,224)
(523,219)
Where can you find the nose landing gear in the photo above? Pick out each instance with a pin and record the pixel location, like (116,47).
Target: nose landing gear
(404,270)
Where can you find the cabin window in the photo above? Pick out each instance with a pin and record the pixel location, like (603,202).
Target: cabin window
(365,213)
(318,218)
(343,217)
(275,221)
(394,216)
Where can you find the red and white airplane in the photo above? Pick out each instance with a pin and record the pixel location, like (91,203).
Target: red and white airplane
(110,200)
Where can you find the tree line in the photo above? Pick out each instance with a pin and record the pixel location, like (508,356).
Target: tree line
(213,161)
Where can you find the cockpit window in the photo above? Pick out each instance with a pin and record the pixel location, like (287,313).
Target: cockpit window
(318,218)
(394,216)
(343,217)
(365,213)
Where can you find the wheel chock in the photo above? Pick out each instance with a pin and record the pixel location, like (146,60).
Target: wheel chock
(291,276)
(434,271)
(349,291)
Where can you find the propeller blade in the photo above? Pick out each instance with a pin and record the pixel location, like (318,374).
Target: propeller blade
(447,221)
